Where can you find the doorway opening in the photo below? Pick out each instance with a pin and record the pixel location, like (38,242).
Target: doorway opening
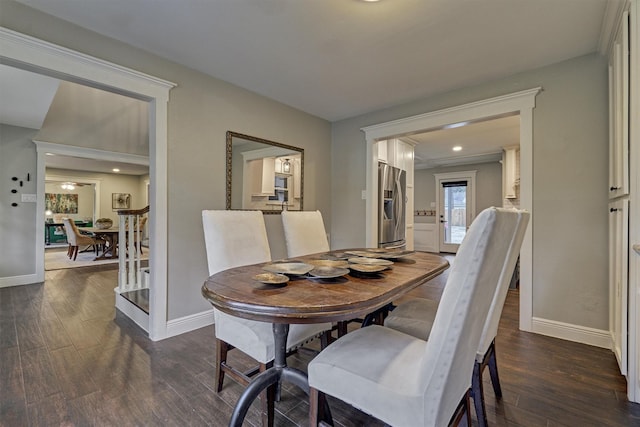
(32,54)
(455,201)
(521,103)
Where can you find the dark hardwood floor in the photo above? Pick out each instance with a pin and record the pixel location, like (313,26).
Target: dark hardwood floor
(67,358)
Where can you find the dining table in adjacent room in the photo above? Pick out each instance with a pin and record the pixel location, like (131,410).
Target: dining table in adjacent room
(110,235)
(309,298)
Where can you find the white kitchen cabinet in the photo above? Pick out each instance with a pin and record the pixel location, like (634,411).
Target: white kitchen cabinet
(619,113)
(618,279)
(382,151)
(510,175)
(297,185)
(262,176)
(425,238)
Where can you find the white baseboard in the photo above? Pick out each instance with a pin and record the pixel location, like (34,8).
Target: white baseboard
(569,332)
(189,323)
(27,279)
(134,313)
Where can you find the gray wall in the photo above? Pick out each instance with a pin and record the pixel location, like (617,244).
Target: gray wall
(570,134)
(88,117)
(200,111)
(17,224)
(488,186)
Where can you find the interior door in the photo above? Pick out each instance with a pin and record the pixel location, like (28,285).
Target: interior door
(455,213)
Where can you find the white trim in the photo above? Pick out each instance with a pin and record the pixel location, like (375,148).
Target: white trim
(189,323)
(609,28)
(36,55)
(91,153)
(134,313)
(570,332)
(633,360)
(26,279)
(522,102)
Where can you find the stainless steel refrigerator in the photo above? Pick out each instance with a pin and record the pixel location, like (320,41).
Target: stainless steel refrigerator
(391,206)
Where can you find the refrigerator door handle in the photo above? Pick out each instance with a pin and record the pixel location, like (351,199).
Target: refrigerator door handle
(399,205)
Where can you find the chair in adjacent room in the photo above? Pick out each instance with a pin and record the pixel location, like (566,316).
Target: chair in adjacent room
(233,239)
(304,233)
(76,239)
(415,317)
(406,381)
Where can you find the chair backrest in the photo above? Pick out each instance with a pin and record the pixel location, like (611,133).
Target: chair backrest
(71,230)
(450,354)
(304,233)
(495,311)
(234,238)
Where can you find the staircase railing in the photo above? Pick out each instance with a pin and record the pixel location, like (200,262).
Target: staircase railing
(130,235)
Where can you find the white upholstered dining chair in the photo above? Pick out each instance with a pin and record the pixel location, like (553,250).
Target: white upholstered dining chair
(415,317)
(406,381)
(304,233)
(233,239)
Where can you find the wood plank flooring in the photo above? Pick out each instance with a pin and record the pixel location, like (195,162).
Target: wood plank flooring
(68,358)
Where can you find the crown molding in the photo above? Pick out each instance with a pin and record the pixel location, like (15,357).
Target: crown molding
(610,24)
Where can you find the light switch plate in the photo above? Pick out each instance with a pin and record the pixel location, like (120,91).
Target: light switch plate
(364,194)
(29,198)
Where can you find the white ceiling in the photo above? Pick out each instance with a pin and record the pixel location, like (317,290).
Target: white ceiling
(100,166)
(481,142)
(341,58)
(25,97)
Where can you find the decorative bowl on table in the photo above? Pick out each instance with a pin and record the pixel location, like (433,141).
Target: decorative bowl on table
(104,223)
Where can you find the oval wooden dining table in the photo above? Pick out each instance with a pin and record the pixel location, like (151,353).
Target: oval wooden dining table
(309,300)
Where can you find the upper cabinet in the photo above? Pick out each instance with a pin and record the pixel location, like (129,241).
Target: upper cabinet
(619,113)
(510,172)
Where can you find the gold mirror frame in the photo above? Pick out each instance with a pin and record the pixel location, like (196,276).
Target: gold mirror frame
(230,136)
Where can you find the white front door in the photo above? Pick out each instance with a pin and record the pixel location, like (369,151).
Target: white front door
(456,208)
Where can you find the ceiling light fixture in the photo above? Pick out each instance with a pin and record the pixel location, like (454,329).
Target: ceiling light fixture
(115,170)
(457,148)
(455,125)
(68,186)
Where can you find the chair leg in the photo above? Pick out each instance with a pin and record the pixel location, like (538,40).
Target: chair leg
(314,401)
(221,357)
(267,397)
(462,412)
(493,371)
(325,339)
(75,252)
(477,392)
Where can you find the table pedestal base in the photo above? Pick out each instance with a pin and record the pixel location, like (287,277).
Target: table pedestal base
(272,377)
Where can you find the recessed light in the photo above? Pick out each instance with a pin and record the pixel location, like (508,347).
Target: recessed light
(50,154)
(457,148)
(455,125)
(115,170)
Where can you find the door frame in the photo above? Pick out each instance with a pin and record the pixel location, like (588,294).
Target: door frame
(521,103)
(39,56)
(470,177)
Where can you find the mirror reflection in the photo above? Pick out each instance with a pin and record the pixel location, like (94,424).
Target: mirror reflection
(263,174)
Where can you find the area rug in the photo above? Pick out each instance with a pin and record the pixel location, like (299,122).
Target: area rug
(57,259)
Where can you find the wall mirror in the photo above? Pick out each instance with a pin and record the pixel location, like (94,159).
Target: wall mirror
(263,174)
